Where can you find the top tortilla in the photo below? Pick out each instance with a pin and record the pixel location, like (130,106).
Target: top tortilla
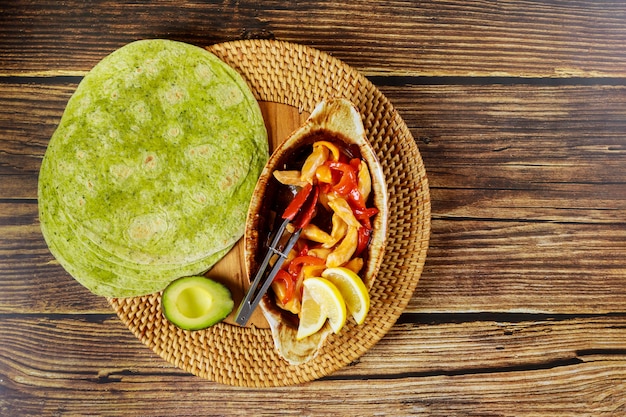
(149,174)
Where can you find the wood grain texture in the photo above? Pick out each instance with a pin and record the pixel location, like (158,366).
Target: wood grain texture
(472,265)
(440,38)
(57,365)
(519,112)
(528,188)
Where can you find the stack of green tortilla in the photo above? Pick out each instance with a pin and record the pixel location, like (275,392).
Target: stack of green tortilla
(150,172)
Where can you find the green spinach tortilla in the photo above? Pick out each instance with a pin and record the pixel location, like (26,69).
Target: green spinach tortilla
(150,172)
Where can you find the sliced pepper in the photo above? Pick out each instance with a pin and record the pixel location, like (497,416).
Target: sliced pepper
(356,199)
(355,163)
(363,215)
(355,265)
(363,239)
(297,263)
(341,184)
(309,271)
(314,160)
(348,180)
(334,150)
(297,269)
(308,209)
(323,197)
(284,287)
(324,174)
(297,202)
(303,248)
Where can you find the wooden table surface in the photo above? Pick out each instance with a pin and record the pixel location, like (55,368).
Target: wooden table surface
(519,111)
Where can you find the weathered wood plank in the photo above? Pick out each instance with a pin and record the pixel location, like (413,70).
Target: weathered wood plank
(518,137)
(473,265)
(520,266)
(69,365)
(518,110)
(29,115)
(540,229)
(32,280)
(453,38)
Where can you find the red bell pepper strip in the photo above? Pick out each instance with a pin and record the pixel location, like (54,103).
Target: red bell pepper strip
(296,264)
(363,240)
(348,180)
(356,199)
(363,215)
(308,209)
(325,188)
(297,202)
(284,276)
(303,248)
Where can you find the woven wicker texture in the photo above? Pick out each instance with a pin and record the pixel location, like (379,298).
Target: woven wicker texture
(301,77)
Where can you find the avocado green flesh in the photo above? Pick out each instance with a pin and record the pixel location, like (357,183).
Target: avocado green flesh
(196,302)
(149,174)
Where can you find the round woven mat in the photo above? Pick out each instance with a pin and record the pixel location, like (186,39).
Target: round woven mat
(301,77)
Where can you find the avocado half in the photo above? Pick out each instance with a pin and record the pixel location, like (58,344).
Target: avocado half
(196,302)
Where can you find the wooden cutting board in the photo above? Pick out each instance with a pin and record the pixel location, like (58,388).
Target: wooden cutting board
(281,120)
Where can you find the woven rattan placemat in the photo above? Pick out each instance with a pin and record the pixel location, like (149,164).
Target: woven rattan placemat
(300,76)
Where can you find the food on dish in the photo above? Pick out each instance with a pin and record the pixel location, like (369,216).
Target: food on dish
(196,302)
(327,178)
(352,289)
(322,301)
(150,172)
(332,190)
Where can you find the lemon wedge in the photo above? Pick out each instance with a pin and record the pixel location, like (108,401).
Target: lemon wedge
(312,318)
(321,300)
(352,289)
